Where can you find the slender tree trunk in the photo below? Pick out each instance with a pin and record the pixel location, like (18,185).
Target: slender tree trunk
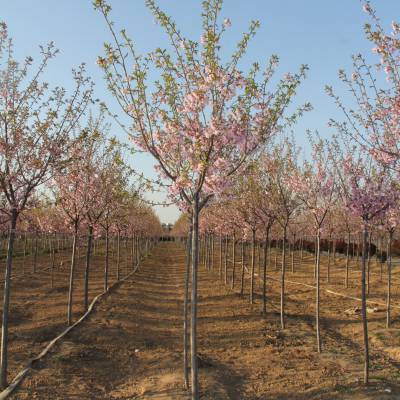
(226,260)
(87,267)
(220,256)
(315,259)
(233,259)
(346,280)
(389,279)
(193,320)
(185,311)
(35,255)
(317,303)
(71,275)
(328,269)
(106,260)
(334,252)
(292,257)
(269,253)
(283,277)
(212,251)
(24,256)
(126,256)
(242,276)
(253,256)
(6,301)
(118,252)
(301,251)
(364,303)
(265,272)
(53,262)
(369,262)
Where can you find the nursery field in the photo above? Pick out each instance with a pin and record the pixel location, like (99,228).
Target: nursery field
(131,345)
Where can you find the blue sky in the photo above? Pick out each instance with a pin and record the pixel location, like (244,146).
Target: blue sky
(322,34)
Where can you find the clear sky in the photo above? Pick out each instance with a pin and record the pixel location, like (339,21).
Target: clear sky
(321,33)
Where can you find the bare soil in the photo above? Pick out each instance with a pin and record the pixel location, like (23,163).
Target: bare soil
(131,346)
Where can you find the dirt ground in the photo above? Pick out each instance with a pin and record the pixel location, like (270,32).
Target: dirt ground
(131,346)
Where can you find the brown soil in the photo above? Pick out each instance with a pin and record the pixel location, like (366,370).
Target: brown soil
(131,346)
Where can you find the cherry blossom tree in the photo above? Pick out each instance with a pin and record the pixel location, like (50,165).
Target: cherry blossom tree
(35,123)
(204,118)
(281,166)
(315,187)
(369,195)
(374,120)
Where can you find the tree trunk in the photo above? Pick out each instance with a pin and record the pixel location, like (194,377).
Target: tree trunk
(389,279)
(364,303)
(185,312)
(71,275)
(283,277)
(253,257)
(346,280)
(226,261)
(118,252)
(193,320)
(106,261)
(317,302)
(24,256)
(220,256)
(334,252)
(6,301)
(233,259)
(53,262)
(87,268)
(369,261)
(265,272)
(301,251)
(242,276)
(35,254)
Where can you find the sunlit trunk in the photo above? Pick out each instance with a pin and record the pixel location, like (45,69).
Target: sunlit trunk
(71,275)
(6,301)
(193,320)
(364,303)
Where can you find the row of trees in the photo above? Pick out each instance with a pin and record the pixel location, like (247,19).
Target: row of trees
(60,170)
(211,128)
